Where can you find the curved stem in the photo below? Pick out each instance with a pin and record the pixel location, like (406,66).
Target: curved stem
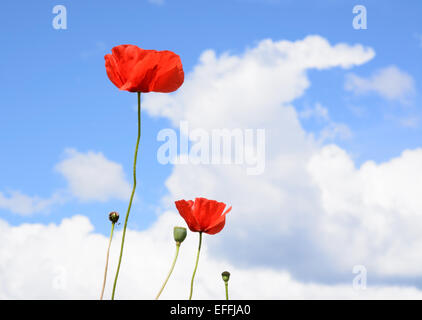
(170,272)
(196,266)
(106,266)
(131,196)
(226,284)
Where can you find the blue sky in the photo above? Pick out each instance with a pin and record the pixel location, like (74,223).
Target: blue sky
(56,95)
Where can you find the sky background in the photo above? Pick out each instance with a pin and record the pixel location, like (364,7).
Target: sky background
(342,110)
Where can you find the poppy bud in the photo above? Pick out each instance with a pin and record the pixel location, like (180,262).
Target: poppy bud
(226,276)
(179,234)
(113,217)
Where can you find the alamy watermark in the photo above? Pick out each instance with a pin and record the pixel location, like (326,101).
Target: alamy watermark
(59,281)
(243,147)
(359,281)
(360,18)
(60,20)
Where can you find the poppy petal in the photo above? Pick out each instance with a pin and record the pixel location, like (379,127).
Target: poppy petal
(113,71)
(185,209)
(143,73)
(217,228)
(170,75)
(213,212)
(200,210)
(134,69)
(218,224)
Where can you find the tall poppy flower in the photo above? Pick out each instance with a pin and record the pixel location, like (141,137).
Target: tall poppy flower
(202,215)
(133,69)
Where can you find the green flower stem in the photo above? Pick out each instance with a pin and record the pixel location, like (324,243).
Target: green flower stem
(226,284)
(170,272)
(196,265)
(131,196)
(106,266)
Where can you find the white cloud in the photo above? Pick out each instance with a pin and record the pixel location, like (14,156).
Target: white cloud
(335,130)
(390,83)
(306,221)
(332,129)
(19,203)
(311,204)
(318,111)
(374,211)
(92,177)
(232,91)
(67,261)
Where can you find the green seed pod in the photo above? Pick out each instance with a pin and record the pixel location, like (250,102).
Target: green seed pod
(226,276)
(180,234)
(113,217)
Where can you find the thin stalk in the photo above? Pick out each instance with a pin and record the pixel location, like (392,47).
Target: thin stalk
(170,272)
(131,196)
(196,265)
(108,255)
(226,284)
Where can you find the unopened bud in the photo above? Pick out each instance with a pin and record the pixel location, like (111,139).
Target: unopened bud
(226,276)
(179,234)
(113,216)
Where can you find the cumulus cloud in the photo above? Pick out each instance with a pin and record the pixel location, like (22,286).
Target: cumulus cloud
(312,212)
(318,111)
(335,130)
(390,83)
(67,261)
(92,177)
(373,212)
(89,176)
(233,91)
(298,229)
(331,129)
(22,204)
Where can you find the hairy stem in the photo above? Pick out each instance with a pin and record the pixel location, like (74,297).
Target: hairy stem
(170,272)
(106,266)
(196,266)
(131,196)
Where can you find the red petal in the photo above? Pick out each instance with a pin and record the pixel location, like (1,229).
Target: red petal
(127,56)
(185,209)
(218,224)
(143,73)
(217,228)
(211,213)
(170,75)
(200,211)
(134,69)
(113,71)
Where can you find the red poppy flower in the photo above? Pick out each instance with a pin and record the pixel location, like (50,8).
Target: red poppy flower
(203,215)
(134,69)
